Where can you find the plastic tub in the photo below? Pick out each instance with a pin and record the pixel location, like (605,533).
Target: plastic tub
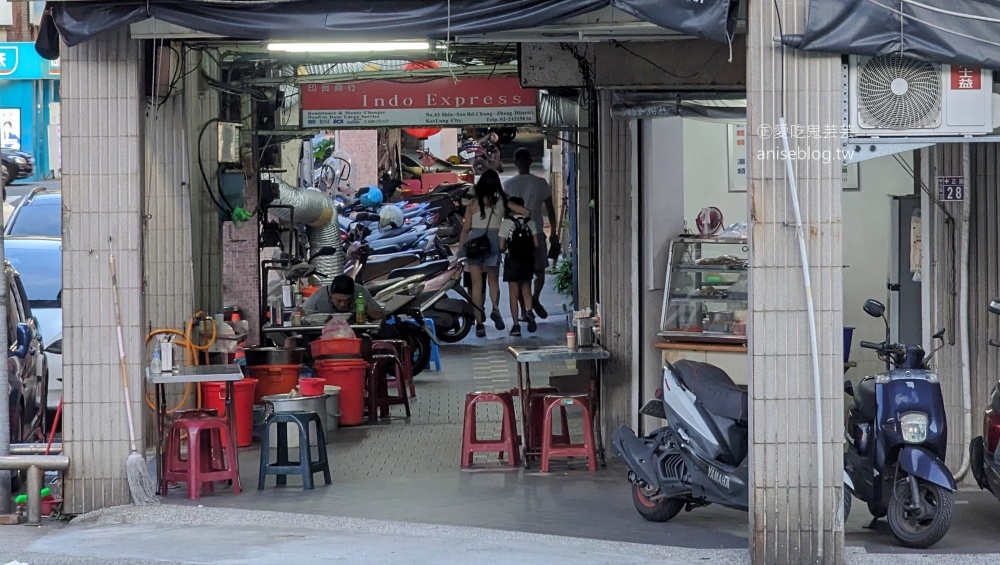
(310,386)
(284,403)
(349,375)
(338,346)
(273,379)
(332,407)
(213,395)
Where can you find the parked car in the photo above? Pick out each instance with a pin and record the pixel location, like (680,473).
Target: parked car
(39,213)
(27,369)
(16,165)
(38,261)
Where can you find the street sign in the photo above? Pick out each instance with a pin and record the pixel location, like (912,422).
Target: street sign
(951,189)
(439,102)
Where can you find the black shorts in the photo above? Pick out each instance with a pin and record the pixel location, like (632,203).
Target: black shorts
(518,270)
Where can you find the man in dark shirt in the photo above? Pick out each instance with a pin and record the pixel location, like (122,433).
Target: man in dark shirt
(340,297)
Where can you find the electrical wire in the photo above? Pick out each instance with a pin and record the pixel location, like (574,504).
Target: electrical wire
(204,177)
(781,32)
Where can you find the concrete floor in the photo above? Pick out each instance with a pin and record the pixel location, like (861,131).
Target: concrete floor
(398,492)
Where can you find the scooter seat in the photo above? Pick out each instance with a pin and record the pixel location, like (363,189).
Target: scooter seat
(714,389)
(425,269)
(377,287)
(864,399)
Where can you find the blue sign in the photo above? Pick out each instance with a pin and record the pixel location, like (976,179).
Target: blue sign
(21,61)
(951,189)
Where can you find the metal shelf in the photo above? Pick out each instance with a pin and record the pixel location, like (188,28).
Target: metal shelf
(690,299)
(706,337)
(711,268)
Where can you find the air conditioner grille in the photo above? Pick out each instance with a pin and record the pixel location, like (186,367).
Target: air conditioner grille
(896,92)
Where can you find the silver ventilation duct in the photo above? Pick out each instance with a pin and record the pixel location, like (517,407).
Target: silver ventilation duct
(317,212)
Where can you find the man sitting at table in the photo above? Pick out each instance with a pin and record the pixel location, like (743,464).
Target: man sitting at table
(340,297)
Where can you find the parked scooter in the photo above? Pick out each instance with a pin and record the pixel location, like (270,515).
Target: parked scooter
(700,456)
(896,438)
(984,455)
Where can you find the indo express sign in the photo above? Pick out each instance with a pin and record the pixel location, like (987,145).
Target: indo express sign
(436,102)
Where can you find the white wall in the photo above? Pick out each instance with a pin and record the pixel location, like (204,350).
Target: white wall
(865,227)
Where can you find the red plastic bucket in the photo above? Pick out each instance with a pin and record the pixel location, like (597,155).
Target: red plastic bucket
(273,379)
(349,375)
(213,395)
(311,386)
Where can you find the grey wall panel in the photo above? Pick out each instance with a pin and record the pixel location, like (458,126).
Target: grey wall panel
(946,238)
(617,289)
(102,213)
(201,104)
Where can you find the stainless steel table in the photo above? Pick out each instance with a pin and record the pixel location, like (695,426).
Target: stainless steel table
(192,375)
(524,356)
(280,333)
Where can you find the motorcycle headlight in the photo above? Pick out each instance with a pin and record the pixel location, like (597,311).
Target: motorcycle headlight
(913,425)
(20,161)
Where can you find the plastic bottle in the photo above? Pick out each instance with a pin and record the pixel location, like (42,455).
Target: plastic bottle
(359,311)
(155,366)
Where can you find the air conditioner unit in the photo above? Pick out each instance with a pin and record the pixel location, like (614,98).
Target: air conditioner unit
(896,96)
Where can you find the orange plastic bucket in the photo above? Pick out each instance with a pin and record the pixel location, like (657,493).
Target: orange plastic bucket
(349,375)
(213,395)
(273,379)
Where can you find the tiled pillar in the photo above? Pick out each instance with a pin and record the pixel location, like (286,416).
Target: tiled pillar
(102,214)
(784,514)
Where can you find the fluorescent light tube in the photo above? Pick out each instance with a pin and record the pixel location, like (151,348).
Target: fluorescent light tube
(349,47)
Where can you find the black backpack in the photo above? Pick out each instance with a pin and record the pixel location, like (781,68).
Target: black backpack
(520,240)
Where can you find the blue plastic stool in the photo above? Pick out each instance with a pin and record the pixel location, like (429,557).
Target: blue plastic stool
(435,351)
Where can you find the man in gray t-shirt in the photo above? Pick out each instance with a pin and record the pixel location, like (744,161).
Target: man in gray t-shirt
(537,195)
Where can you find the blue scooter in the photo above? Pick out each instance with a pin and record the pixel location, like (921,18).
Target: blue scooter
(896,438)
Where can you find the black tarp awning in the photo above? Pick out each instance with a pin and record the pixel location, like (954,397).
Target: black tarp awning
(964,32)
(347,20)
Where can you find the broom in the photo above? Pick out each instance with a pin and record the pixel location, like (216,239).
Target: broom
(139,483)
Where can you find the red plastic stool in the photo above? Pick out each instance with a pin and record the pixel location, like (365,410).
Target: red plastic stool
(536,411)
(508,442)
(586,449)
(379,399)
(401,350)
(207,460)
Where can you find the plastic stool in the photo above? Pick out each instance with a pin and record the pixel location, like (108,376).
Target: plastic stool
(508,442)
(305,466)
(379,399)
(536,413)
(435,351)
(401,350)
(207,461)
(586,449)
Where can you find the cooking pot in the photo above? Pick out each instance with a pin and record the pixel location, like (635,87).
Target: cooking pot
(274,355)
(721,317)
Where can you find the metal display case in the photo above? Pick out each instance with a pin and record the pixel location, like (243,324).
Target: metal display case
(705,297)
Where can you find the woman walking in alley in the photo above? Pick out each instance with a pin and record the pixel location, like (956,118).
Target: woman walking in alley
(480,244)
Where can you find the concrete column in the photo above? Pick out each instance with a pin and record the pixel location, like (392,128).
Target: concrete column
(102,214)
(616,269)
(362,144)
(786,524)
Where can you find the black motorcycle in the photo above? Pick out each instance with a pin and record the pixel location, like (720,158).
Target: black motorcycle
(896,438)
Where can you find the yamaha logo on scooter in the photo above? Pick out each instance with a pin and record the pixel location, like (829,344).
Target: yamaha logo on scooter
(718,477)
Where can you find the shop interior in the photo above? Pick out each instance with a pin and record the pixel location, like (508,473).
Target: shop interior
(697,169)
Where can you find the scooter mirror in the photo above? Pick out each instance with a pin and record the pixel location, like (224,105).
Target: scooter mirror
(874,308)
(994,306)
(849,388)
(939,334)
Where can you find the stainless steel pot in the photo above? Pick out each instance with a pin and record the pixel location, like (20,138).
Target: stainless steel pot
(274,355)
